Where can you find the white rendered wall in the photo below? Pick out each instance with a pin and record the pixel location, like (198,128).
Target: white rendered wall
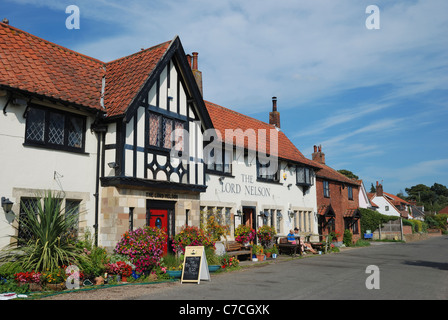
(26,170)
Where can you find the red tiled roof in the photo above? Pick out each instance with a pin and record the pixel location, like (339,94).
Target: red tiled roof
(38,66)
(224,118)
(396,200)
(126,76)
(332,174)
(444,210)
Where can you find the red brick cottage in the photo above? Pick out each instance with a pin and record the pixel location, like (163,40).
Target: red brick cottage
(337,200)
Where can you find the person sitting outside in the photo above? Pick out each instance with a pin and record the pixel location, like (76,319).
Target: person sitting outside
(291,238)
(305,246)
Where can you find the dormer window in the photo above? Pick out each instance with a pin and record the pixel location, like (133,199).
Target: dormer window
(304,177)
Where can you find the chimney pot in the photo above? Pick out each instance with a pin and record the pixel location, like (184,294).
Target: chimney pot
(189,59)
(195,61)
(5,21)
(274,115)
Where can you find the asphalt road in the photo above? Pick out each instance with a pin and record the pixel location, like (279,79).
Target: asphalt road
(404,271)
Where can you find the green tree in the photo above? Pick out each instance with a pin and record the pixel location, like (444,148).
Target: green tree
(348,174)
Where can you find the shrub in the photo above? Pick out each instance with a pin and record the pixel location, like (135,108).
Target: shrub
(347,240)
(191,236)
(372,220)
(143,246)
(49,242)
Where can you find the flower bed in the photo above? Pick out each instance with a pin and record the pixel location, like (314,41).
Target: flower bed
(143,246)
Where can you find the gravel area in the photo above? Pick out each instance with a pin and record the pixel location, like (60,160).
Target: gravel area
(120,292)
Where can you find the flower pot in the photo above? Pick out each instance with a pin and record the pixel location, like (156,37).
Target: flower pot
(174,273)
(124,279)
(268,254)
(213,268)
(274,256)
(56,286)
(260,257)
(35,286)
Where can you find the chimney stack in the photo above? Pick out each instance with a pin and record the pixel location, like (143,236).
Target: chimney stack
(196,73)
(318,155)
(274,115)
(379,189)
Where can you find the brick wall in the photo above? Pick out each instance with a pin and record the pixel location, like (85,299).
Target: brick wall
(339,202)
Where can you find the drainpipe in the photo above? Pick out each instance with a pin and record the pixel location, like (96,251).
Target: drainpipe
(100,130)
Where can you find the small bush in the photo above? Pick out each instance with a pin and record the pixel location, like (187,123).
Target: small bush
(347,240)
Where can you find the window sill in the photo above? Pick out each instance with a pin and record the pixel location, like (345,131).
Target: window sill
(56,148)
(219,173)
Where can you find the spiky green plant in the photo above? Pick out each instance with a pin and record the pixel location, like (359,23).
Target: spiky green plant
(48,244)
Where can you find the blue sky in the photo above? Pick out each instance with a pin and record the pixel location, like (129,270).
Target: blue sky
(376,100)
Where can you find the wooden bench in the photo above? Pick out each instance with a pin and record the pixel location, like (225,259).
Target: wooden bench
(285,246)
(234,248)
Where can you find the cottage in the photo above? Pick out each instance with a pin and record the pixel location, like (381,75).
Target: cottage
(50,98)
(389,204)
(337,200)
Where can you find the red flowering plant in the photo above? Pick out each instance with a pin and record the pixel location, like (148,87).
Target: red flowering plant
(28,277)
(143,247)
(244,234)
(266,235)
(119,267)
(191,236)
(229,262)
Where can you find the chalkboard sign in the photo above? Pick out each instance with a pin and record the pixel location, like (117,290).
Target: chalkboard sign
(195,266)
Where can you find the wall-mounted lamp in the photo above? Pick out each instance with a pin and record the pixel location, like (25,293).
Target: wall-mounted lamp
(289,186)
(221,179)
(7,204)
(291,213)
(112,165)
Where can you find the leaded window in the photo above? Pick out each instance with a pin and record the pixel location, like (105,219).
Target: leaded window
(165,132)
(54,129)
(27,206)
(304,176)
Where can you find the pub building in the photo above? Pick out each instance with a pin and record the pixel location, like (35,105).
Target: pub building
(242,189)
(125,143)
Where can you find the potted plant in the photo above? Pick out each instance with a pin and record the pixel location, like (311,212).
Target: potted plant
(273,251)
(244,234)
(257,250)
(265,235)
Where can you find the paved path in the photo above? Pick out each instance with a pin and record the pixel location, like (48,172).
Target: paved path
(417,270)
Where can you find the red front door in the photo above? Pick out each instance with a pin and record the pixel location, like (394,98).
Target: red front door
(158,218)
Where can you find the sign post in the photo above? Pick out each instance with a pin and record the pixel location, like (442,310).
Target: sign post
(195,266)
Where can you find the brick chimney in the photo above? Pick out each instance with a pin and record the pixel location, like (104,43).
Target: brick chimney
(197,74)
(379,189)
(318,155)
(274,115)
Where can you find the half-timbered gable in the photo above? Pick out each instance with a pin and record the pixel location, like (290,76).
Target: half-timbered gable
(157,138)
(153,150)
